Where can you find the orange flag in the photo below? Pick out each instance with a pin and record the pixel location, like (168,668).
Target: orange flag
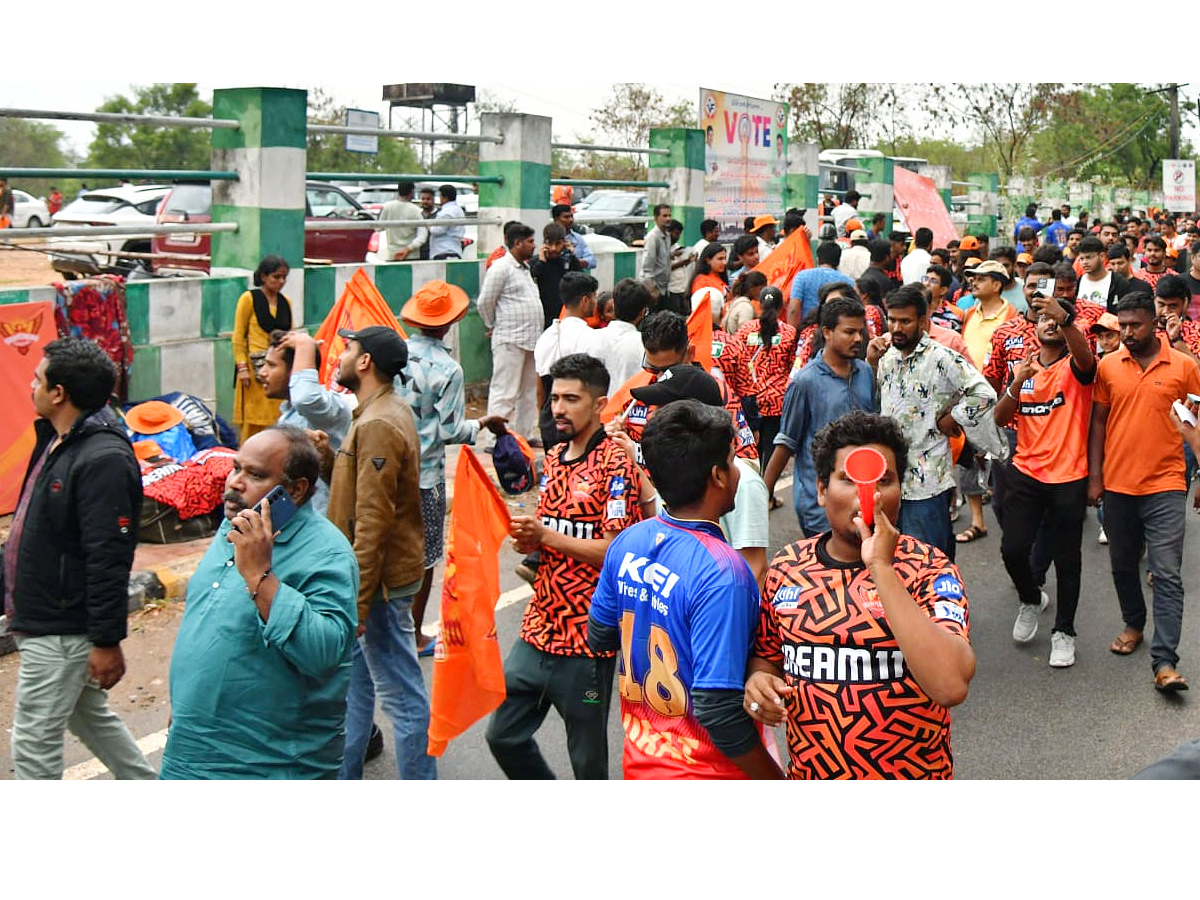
(791,256)
(699,328)
(622,398)
(25,329)
(468,677)
(360,305)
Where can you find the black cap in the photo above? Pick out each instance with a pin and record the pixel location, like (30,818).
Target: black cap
(388,351)
(682,382)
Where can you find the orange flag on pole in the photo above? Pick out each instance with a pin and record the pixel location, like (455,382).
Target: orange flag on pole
(699,328)
(360,305)
(468,677)
(791,256)
(25,329)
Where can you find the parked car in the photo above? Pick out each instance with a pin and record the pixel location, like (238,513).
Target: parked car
(601,205)
(122,206)
(29,211)
(372,198)
(192,202)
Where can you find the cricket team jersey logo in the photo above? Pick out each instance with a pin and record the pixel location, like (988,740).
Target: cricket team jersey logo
(581,500)
(857,712)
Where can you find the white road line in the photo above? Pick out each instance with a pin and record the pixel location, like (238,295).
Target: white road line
(89,769)
(152,743)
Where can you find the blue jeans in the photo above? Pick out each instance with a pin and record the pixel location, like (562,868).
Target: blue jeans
(385,660)
(1157,520)
(929,521)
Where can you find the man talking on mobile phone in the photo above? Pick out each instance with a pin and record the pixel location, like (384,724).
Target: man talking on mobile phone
(261,663)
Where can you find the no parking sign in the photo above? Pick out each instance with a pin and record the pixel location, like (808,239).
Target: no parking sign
(1179,185)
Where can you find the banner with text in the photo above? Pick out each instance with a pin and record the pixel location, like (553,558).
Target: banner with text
(1179,185)
(745,158)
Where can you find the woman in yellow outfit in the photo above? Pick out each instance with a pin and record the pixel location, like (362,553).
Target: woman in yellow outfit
(259,312)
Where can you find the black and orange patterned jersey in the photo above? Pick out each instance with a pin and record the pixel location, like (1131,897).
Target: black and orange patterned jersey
(583,499)
(637,414)
(723,362)
(763,371)
(1190,332)
(857,711)
(1011,343)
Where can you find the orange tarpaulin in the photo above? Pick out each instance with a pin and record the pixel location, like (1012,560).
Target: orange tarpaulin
(468,677)
(792,255)
(923,207)
(25,328)
(360,305)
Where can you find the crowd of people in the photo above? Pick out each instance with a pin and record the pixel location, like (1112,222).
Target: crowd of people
(1039,377)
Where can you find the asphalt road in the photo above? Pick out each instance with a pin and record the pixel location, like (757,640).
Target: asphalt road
(1100,719)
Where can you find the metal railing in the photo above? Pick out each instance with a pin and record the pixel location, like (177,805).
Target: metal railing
(593,182)
(376,177)
(148,174)
(378,225)
(611,220)
(122,118)
(99,231)
(436,136)
(653,151)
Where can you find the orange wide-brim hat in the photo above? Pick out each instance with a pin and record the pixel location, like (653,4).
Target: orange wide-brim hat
(436,303)
(152,417)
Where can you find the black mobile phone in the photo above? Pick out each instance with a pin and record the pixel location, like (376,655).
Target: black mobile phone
(282,506)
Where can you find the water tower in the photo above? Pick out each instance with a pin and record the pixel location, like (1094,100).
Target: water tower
(443,109)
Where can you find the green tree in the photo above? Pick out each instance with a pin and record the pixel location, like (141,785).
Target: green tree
(1006,116)
(328,153)
(121,146)
(843,115)
(37,145)
(625,120)
(1116,133)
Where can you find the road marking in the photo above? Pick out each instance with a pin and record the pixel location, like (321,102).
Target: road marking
(89,769)
(152,743)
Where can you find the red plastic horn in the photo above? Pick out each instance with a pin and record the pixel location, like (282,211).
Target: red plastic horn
(865,466)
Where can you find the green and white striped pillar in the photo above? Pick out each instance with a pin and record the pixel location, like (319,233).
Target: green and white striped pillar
(940,175)
(269,154)
(877,189)
(523,161)
(984,196)
(683,169)
(801,185)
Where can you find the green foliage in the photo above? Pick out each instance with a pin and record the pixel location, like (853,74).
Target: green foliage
(842,115)
(625,120)
(32,144)
(119,146)
(328,153)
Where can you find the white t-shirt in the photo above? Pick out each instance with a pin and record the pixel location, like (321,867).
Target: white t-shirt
(914,266)
(621,351)
(746,525)
(562,338)
(842,214)
(1095,291)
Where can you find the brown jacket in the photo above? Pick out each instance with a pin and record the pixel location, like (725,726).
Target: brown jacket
(374,496)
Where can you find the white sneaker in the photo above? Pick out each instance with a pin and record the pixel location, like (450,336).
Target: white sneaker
(1062,650)
(1103,538)
(1045,601)
(1026,625)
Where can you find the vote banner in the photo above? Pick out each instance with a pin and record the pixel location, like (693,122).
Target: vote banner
(25,329)
(745,158)
(923,207)
(1179,185)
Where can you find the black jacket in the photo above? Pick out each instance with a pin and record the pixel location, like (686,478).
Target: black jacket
(80,531)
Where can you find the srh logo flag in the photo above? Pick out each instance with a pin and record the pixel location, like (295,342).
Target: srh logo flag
(468,677)
(360,306)
(791,256)
(25,328)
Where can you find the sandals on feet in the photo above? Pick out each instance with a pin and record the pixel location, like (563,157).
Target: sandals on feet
(973,533)
(1126,642)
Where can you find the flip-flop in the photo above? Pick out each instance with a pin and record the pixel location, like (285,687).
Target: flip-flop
(973,533)
(429,648)
(1126,642)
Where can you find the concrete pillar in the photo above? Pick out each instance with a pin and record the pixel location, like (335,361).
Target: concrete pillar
(877,189)
(683,169)
(267,202)
(984,197)
(523,161)
(941,178)
(801,186)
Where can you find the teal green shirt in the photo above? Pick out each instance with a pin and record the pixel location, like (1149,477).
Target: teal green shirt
(254,699)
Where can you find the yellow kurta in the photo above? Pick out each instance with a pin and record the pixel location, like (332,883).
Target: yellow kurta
(251,405)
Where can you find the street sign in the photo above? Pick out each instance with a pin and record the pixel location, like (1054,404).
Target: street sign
(362,118)
(1179,185)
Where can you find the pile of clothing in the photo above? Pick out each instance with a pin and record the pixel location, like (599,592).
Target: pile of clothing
(185,452)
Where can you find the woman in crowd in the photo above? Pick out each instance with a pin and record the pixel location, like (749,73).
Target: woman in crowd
(710,270)
(258,313)
(762,354)
(744,306)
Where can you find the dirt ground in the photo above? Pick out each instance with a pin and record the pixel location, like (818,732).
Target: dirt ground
(25,268)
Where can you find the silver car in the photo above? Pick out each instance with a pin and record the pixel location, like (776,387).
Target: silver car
(125,205)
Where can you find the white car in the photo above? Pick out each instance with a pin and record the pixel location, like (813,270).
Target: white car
(29,211)
(126,205)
